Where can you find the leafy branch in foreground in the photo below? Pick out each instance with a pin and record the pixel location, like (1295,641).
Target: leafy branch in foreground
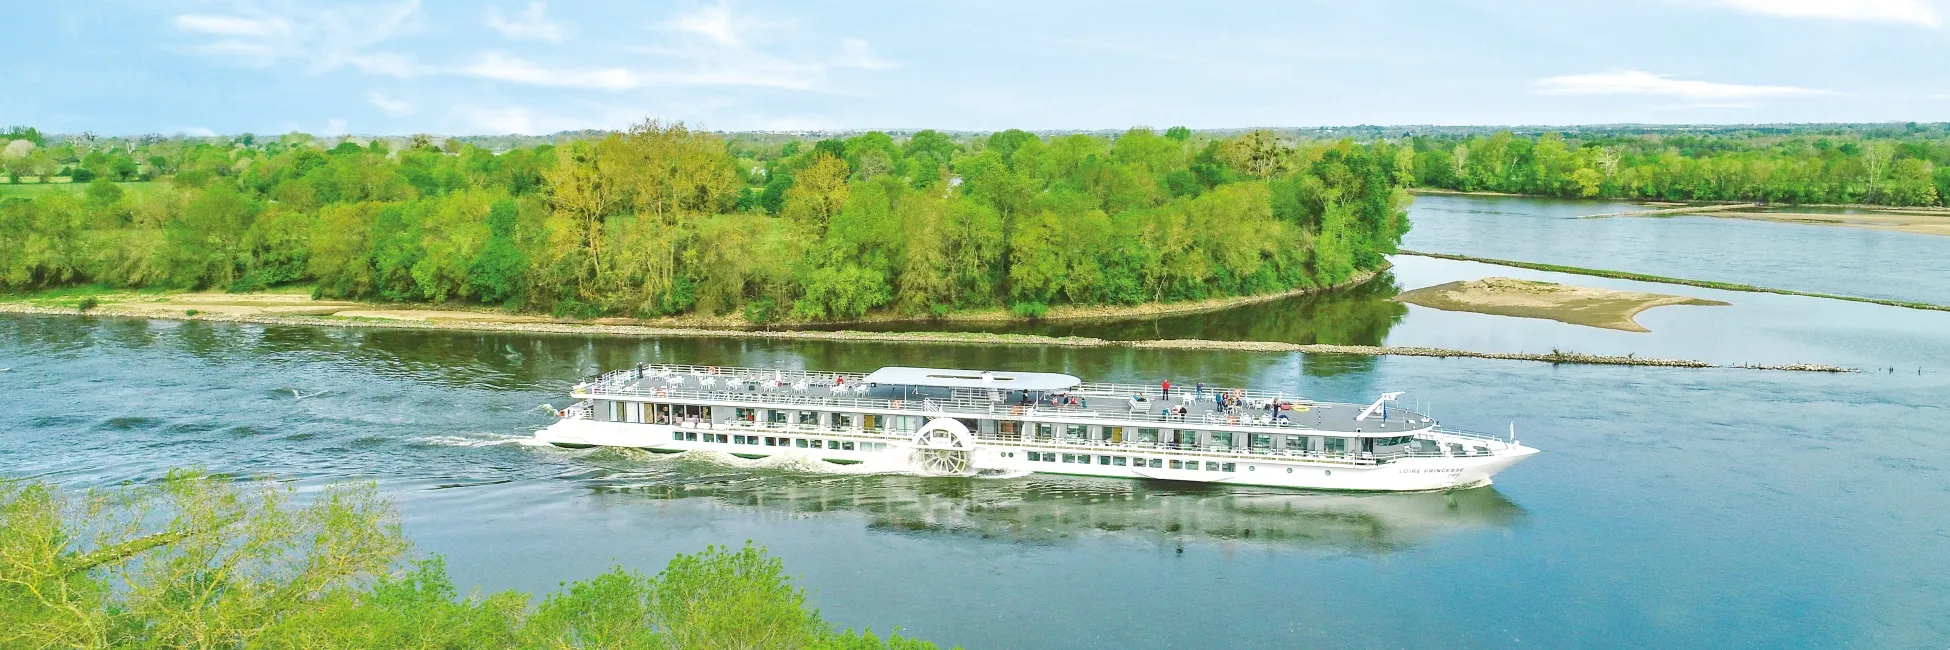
(203,561)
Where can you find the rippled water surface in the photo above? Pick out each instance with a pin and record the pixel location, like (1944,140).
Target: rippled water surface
(1669,508)
(1822,259)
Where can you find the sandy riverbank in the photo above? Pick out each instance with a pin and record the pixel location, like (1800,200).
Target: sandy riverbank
(1922,222)
(288,303)
(1594,307)
(936,338)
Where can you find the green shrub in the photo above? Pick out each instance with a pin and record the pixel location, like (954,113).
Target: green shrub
(131,567)
(88,303)
(1029,309)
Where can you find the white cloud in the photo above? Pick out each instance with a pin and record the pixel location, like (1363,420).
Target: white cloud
(501,67)
(857,53)
(1704,106)
(1639,82)
(387,64)
(391,106)
(232,25)
(197,131)
(334,127)
(1914,12)
(239,52)
(532,24)
(713,22)
(321,37)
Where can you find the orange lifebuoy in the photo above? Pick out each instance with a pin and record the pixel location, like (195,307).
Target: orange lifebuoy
(1232,419)
(711,370)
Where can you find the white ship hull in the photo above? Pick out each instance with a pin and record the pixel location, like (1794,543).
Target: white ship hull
(851,449)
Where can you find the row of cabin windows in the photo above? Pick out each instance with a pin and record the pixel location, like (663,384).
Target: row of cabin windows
(669,413)
(1127,461)
(775,441)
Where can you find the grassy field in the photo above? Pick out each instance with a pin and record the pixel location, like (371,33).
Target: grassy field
(29,188)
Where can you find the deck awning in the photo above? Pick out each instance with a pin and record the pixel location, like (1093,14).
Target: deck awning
(957,378)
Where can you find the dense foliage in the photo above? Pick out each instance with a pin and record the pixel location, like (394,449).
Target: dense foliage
(197,561)
(1897,165)
(663,220)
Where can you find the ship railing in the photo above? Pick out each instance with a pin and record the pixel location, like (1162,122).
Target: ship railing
(949,407)
(726,372)
(1243,453)
(1155,393)
(582,410)
(1152,393)
(1473,435)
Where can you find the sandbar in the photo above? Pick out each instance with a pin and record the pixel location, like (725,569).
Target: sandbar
(1921,222)
(1590,306)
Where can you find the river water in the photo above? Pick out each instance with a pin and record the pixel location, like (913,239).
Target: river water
(1669,508)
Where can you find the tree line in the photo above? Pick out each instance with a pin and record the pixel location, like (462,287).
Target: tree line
(201,561)
(661,220)
(1900,166)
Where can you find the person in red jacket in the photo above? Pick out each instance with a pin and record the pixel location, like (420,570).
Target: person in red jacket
(1166,384)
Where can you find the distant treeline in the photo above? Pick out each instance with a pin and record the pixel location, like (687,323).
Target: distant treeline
(1896,165)
(664,220)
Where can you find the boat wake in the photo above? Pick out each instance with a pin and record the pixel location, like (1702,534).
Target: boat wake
(477,440)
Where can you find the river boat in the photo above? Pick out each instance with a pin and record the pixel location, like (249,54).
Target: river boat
(944,421)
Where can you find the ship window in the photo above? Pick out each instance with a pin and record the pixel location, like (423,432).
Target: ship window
(871,421)
(1335,445)
(771,441)
(1103,460)
(816,444)
(1069,458)
(809,418)
(747,415)
(738,440)
(842,420)
(1289,470)
(1228,467)
(1177,464)
(1049,457)
(1221,439)
(677,435)
(1157,464)
(1148,435)
(690,436)
(799,442)
(1296,443)
(1117,461)
(1035,456)
(1076,431)
(774,417)
(1045,430)
(1262,441)
(907,423)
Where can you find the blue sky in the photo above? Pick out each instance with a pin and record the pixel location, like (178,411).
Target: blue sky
(405,66)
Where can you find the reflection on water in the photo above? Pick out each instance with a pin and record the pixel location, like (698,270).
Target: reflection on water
(1669,506)
(1358,315)
(1051,509)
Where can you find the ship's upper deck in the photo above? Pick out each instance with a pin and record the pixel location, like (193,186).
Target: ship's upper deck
(1006,396)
